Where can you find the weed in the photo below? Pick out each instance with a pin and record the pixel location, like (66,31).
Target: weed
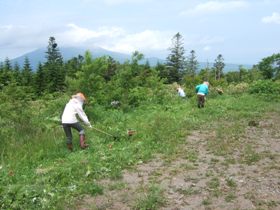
(250,156)
(207,202)
(151,198)
(230,197)
(213,187)
(214,183)
(231,183)
(192,156)
(209,173)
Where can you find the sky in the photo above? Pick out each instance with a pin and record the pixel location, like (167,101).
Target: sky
(243,31)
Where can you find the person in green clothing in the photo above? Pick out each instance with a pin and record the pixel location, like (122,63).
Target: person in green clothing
(201,91)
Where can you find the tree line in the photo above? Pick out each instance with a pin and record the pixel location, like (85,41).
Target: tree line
(110,80)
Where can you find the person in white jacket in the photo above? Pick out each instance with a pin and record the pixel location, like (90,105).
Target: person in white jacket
(181,92)
(69,120)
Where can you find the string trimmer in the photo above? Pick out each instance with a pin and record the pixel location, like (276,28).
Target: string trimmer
(129,133)
(108,134)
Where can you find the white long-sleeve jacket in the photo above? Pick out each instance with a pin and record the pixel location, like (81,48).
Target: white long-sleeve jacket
(73,108)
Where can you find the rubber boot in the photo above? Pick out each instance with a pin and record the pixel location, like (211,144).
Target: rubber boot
(83,145)
(70,147)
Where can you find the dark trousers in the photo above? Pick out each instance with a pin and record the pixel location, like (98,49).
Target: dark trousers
(68,130)
(200,101)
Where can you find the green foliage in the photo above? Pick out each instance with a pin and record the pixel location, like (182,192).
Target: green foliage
(265,88)
(176,59)
(37,171)
(55,73)
(270,67)
(26,73)
(237,88)
(190,83)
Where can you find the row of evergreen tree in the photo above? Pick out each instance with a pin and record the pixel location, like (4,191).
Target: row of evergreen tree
(52,76)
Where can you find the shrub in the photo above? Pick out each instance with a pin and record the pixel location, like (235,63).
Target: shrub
(265,87)
(237,88)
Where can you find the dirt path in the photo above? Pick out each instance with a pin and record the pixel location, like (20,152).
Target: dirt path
(248,177)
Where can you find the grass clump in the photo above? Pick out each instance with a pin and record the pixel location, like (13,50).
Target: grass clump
(151,198)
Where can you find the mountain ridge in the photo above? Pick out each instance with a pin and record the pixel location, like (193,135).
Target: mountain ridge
(39,56)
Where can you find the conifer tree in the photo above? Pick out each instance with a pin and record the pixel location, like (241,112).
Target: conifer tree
(54,67)
(73,65)
(176,60)
(219,66)
(191,65)
(40,80)
(17,74)
(162,71)
(26,73)
(111,69)
(1,74)
(6,74)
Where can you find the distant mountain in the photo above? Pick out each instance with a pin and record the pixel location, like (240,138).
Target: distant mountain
(228,66)
(39,55)
(67,53)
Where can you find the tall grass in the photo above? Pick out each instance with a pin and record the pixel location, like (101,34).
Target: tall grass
(37,171)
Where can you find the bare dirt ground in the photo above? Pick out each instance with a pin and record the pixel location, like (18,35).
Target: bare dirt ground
(198,178)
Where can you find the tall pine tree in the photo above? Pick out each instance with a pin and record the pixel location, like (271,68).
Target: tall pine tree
(17,74)
(176,60)
(6,73)
(192,65)
(26,73)
(55,73)
(219,66)
(40,80)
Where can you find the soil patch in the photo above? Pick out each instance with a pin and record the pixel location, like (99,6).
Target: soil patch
(198,178)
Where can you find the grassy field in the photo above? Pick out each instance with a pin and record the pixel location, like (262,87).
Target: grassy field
(37,171)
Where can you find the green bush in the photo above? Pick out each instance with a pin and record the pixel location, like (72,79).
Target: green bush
(265,87)
(237,88)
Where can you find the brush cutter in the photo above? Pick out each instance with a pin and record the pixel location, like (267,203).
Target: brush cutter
(129,133)
(108,134)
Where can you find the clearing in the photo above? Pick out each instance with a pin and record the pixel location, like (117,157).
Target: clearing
(227,166)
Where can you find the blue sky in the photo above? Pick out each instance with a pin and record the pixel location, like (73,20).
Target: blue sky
(243,31)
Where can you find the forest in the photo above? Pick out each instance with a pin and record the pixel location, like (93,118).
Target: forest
(38,172)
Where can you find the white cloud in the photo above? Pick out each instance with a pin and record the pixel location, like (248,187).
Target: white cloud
(274,18)
(77,34)
(17,36)
(16,40)
(142,41)
(215,6)
(21,38)
(115,39)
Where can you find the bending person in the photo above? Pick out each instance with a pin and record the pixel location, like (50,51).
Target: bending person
(69,120)
(201,91)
